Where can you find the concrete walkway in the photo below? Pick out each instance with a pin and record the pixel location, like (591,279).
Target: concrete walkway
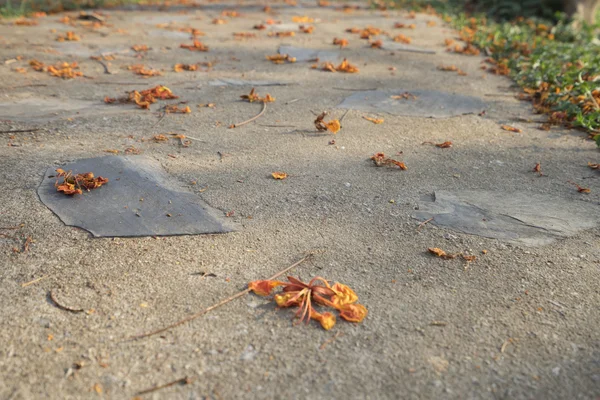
(519,322)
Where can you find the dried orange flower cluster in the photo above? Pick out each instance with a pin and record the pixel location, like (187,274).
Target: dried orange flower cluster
(296,293)
(63,70)
(252,97)
(74,184)
(144,98)
(399,25)
(382,161)
(332,126)
(175,109)
(281,59)
(196,46)
(344,66)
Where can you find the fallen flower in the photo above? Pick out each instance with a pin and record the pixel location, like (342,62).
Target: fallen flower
(580,189)
(140,48)
(443,145)
(402,39)
(196,46)
(381,160)
(296,293)
(443,255)
(68,37)
(73,184)
(144,98)
(538,169)
(282,34)
(593,166)
(185,67)
(340,42)
(252,97)
(333,126)
(510,128)
(344,66)
(404,96)
(139,69)
(174,109)
(279,175)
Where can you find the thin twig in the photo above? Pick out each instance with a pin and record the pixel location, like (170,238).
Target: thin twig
(106,70)
(344,116)
(61,306)
(424,222)
(27,244)
(33,281)
(183,381)
(217,305)
(291,101)
(22,130)
(251,119)
(330,340)
(591,96)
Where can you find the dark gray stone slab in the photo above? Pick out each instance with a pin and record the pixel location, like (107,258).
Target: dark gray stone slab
(428,103)
(302,54)
(117,208)
(527,218)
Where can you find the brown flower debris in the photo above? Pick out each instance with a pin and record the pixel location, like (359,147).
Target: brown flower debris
(68,37)
(332,126)
(340,42)
(74,184)
(139,69)
(252,97)
(62,70)
(345,66)
(443,145)
(144,98)
(185,67)
(443,255)
(381,160)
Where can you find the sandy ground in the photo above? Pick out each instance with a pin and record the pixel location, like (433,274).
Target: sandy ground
(519,322)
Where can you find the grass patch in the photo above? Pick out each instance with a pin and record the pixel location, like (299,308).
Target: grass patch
(556,64)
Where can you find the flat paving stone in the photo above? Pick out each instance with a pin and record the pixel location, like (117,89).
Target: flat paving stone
(140,199)
(528,218)
(428,103)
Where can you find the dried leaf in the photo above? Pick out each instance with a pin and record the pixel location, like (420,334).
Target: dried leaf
(340,42)
(376,121)
(185,67)
(281,59)
(68,37)
(196,46)
(510,128)
(140,48)
(381,160)
(279,175)
(333,126)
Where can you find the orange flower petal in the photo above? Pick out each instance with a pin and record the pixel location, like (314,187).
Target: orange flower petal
(343,295)
(326,319)
(263,288)
(353,312)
